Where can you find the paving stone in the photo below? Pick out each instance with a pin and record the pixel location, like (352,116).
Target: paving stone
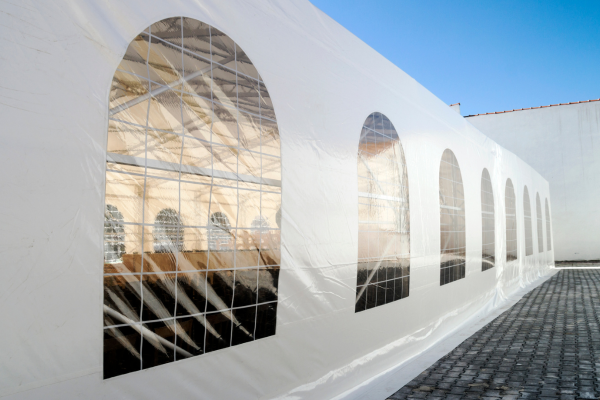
(587,393)
(445,385)
(567,397)
(397,396)
(492,393)
(547,346)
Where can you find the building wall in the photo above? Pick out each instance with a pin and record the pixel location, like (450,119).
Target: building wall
(324,82)
(562,143)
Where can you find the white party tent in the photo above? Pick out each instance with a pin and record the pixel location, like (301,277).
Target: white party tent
(237,200)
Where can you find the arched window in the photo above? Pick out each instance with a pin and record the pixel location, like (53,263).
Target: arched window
(383,216)
(259,223)
(488,232)
(452,220)
(548,228)
(527,221)
(220,235)
(540,228)
(168,232)
(193,156)
(510,202)
(114,235)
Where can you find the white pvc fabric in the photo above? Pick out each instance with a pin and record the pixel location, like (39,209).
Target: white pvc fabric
(173,229)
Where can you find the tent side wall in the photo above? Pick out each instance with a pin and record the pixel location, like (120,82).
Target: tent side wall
(323,82)
(558,142)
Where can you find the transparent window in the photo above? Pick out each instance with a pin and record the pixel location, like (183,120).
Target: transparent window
(452,220)
(488,232)
(510,202)
(548,228)
(193,167)
(540,228)
(383,216)
(527,221)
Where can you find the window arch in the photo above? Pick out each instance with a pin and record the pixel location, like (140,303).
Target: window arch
(488,231)
(193,155)
(510,203)
(114,234)
(383,216)
(548,228)
(540,228)
(452,220)
(527,221)
(168,232)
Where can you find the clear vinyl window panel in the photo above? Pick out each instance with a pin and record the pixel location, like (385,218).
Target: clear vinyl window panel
(540,228)
(383,274)
(548,228)
(452,220)
(488,231)
(193,199)
(527,222)
(510,203)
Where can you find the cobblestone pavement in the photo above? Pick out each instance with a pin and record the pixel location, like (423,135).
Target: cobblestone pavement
(547,346)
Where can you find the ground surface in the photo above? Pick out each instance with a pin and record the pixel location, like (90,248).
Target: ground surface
(546,346)
(577,264)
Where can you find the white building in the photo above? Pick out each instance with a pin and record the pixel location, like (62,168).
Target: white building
(562,143)
(237,200)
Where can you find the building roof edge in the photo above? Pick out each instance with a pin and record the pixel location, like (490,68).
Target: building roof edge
(533,108)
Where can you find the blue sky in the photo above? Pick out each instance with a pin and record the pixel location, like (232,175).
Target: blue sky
(487,55)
